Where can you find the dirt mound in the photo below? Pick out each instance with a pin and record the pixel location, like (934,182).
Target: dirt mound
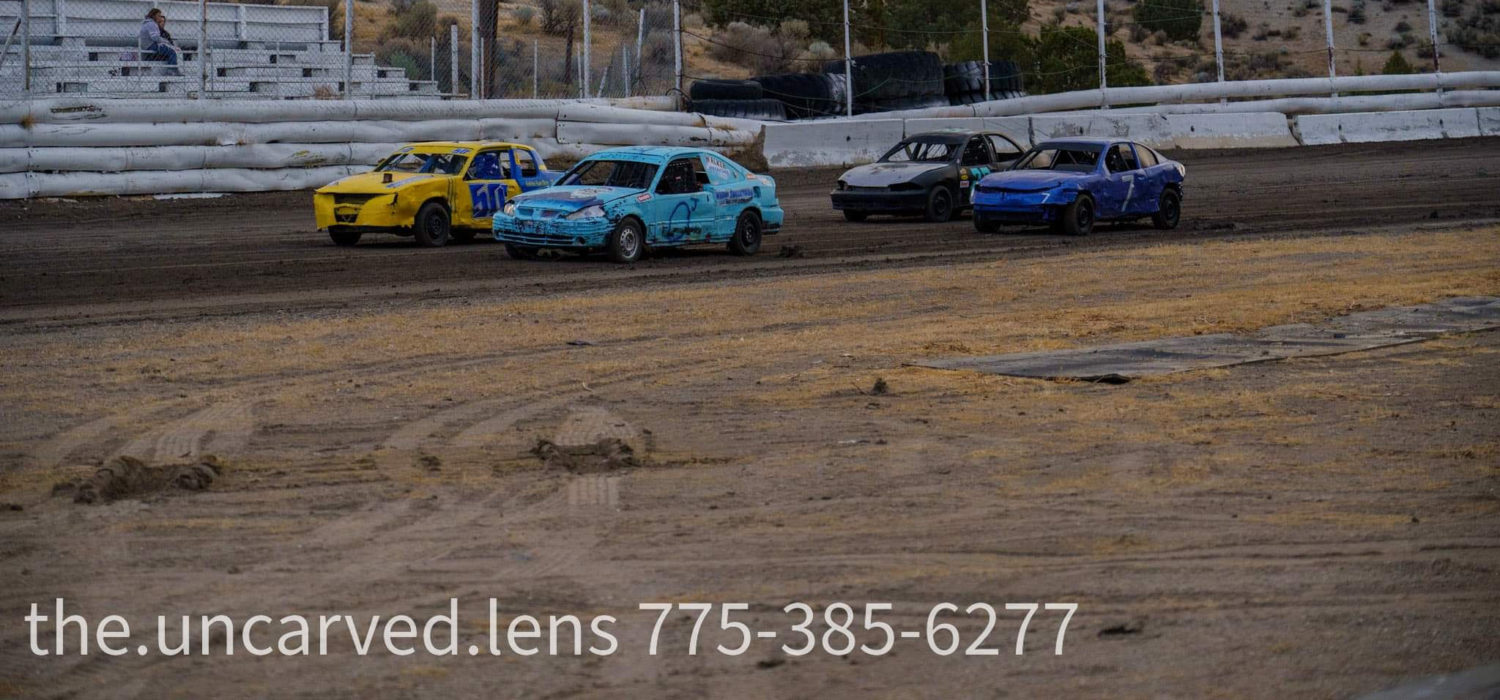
(123,477)
(606,455)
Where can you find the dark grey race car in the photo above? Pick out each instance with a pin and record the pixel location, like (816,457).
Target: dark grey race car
(931,174)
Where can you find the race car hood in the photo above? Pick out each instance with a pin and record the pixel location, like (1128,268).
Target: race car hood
(887,174)
(573,197)
(374,183)
(1032,180)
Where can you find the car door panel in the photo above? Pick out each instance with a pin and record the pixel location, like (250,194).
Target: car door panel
(682,216)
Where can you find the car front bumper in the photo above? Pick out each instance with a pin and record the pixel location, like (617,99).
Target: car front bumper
(1018,207)
(904,201)
(552,233)
(382,211)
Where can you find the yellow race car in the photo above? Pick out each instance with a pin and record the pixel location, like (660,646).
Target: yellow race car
(431,191)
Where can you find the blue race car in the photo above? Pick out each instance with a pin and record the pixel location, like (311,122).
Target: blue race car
(625,200)
(1072,183)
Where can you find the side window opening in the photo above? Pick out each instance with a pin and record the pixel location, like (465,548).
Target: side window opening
(526,162)
(1003,148)
(976,152)
(1120,159)
(489,165)
(681,177)
(1147,156)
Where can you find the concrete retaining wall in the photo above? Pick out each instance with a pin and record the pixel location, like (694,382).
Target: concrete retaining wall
(1489,121)
(1319,129)
(841,143)
(830,143)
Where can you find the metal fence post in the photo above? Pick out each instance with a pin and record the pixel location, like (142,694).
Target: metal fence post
(202,48)
(348,49)
(1432,33)
(984,31)
(625,69)
(677,43)
(587,66)
(848,67)
(535,75)
(1219,49)
(1103,79)
(431,58)
(640,41)
(473,49)
(26,47)
(453,59)
(1328,29)
(480,87)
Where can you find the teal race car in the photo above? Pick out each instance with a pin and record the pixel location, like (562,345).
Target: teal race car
(624,201)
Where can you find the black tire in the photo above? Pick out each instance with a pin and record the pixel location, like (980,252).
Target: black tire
(463,235)
(941,203)
(343,236)
(716,89)
(432,226)
(746,240)
(627,242)
(1168,210)
(984,225)
(803,95)
(763,110)
(855,215)
(1077,218)
(520,252)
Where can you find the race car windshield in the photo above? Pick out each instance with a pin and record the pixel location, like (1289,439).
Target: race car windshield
(1073,159)
(611,173)
(443,163)
(920,151)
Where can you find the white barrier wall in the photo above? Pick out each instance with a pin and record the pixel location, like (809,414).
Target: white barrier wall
(827,143)
(1489,121)
(833,143)
(1017,128)
(75,147)
(1318,129)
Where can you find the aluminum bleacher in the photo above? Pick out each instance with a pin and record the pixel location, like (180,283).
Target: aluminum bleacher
(252,51)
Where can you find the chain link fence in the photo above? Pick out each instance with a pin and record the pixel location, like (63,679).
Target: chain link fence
(487,49)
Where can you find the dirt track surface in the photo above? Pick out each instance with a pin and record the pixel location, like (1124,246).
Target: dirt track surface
(108,256)
(1311,528)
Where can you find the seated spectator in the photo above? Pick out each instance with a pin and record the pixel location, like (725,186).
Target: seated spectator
(157,41)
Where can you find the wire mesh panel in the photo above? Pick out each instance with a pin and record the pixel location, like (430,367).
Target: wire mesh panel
(906,53)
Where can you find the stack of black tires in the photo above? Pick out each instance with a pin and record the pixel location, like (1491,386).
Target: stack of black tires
(745,99)
(882,82)
(805,95)
(964,82)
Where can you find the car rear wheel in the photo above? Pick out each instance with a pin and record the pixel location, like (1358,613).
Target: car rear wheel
(940,204)
(746,240)
(1078,217)
(627,241)
(1168,210)
(432,227)
(855,216)
(519,252)
(984,225)
(343,236)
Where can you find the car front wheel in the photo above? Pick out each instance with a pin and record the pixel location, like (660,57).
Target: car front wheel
(519,252)
(939,204)
(746,240)
(984,225)
(1168,210)
(432,227)
(1077,218)
(627,241)
(343,236)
